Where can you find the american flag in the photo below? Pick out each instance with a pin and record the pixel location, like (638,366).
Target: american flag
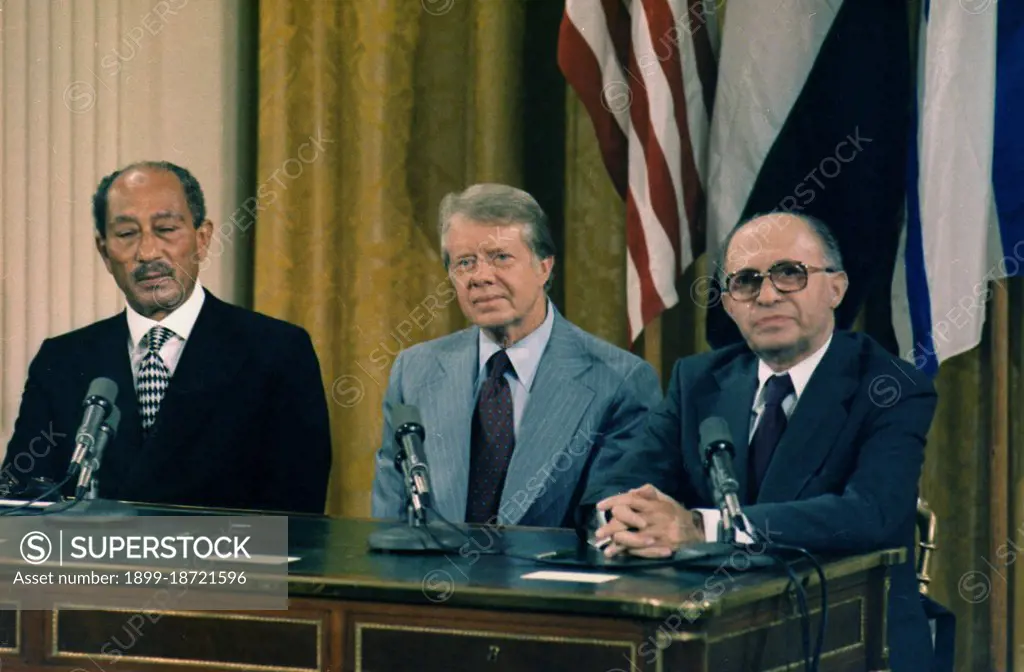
(645,70)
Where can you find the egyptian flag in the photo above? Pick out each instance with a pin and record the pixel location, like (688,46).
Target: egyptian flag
(965,178)
(811,116)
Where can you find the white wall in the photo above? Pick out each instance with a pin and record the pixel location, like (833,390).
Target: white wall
(87,86)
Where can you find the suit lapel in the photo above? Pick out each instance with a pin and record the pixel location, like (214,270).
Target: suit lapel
(557,403)
(733,400)
(811,431)
(448,400)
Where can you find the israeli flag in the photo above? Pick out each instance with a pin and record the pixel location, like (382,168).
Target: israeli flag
(965,177)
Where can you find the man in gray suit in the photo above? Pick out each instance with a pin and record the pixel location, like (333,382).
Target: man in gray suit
(517,407)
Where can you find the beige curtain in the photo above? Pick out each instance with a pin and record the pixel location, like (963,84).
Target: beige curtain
(369,113)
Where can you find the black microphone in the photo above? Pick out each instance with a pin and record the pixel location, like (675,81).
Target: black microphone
(717,451)
(417,534)
(410,460)
(98,403)
(107,432)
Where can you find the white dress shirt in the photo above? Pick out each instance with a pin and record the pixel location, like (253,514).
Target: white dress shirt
(799,374)
(180,321)
(525,356)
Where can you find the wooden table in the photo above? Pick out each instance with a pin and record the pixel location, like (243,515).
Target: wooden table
(351,609)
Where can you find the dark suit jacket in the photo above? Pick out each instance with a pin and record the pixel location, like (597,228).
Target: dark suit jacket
(843,478)
(243,423)
(586,393)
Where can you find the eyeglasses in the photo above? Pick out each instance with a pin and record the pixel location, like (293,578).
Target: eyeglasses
(466,266)
(786,277)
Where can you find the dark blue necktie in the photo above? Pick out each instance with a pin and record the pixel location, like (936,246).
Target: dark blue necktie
(493,441)
(769,430)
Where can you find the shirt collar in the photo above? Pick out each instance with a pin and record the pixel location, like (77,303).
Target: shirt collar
(800,373)
(181,320)
(525,354)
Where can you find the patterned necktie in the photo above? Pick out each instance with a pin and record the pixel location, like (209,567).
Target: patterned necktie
(494,440)
(153,376)
(769,430)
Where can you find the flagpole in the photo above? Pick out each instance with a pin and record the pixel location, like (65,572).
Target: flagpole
(1015,645)
(653,347)
(999,472)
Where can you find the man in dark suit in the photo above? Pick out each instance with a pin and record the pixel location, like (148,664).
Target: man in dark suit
(829,428)
(220,406)
(518,407)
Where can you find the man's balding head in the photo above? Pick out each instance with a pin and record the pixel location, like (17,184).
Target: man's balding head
(148,236)
(783,327)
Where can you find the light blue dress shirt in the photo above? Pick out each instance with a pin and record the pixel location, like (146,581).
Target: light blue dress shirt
(525,357)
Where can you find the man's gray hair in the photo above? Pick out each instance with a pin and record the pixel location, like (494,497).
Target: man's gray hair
(499,204)
(829,244)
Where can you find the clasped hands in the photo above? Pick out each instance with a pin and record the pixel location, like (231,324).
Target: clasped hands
(647,523)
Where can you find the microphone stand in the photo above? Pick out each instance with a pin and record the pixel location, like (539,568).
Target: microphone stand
(724,490)
(87,501)
(726,528)
(419,534)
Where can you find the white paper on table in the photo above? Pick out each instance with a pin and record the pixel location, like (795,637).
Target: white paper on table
(258,559)
(577,577)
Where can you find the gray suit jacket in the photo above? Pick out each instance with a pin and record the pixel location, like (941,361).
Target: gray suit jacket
(586,392)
